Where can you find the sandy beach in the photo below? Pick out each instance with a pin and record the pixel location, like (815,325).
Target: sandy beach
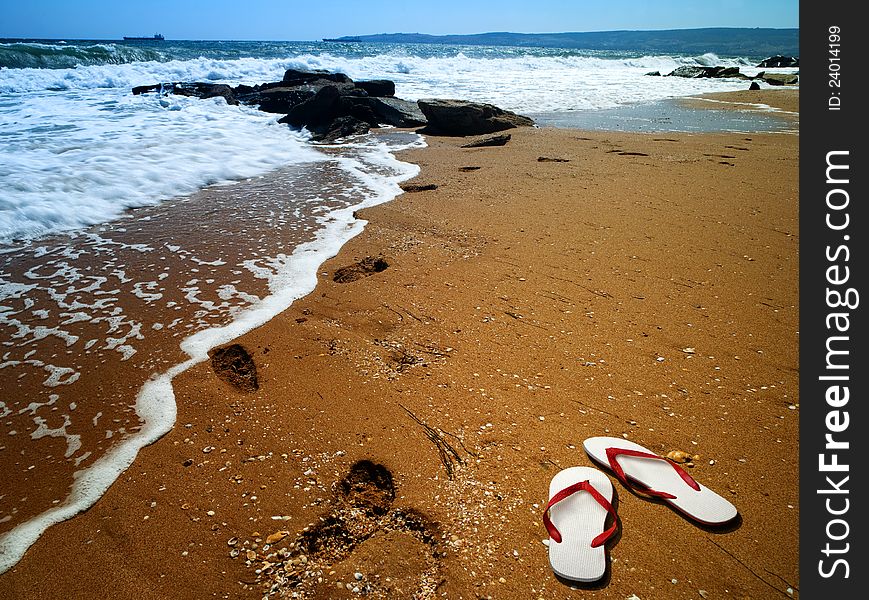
(408,415)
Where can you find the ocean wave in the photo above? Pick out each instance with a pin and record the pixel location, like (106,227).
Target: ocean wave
(59,175)
(398,65)
(35,55)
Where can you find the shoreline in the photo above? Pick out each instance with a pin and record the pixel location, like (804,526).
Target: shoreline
(411,338)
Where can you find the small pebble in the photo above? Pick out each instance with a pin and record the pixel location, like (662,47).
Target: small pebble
(358,576)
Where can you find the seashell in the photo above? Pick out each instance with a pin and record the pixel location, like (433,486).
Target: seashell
(679,456)
(277,537)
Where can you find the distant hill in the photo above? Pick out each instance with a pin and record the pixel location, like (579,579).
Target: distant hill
(724,41)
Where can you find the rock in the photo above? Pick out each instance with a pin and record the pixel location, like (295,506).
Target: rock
(321,108)
(693,72)
(654,73)
(205,90)
(779,61)
(492,140)
(729,72)
(197,89)
(338,128)
(156,87)
(377,87)
(779,78)
(274,99)
(461,118)
(299,77)
(393,111)
(356,107)
(698,71)
(754,86)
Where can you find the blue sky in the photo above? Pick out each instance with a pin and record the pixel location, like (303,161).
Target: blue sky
(307,20)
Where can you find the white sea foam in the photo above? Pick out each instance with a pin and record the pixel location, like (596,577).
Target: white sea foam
(87,157)
(79,149)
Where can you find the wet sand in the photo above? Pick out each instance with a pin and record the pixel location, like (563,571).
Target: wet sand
(635,285)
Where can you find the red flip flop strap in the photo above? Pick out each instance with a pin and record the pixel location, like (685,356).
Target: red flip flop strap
(613,453)
(569,491)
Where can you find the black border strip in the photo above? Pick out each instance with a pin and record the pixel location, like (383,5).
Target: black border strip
(833,332)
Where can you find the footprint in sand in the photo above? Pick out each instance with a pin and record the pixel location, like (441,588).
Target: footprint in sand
(236,366)
(364,546)
(365,267)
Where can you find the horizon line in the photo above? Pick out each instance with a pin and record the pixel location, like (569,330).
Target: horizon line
(434,35)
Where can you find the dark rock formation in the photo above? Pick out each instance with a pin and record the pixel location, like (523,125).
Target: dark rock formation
(654,73)
(754,86)
(492,140)
(393,111)
(332,106)
(779,78)
(461,118)
(278,100)
(297,77)
(197,89)
(378,87)
(205,90)
(779,61)
(338,128)
(144,89)
(698,71)
(322,107)
(690,71)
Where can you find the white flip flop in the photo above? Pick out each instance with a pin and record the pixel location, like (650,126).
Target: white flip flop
(660,478)
(580,499)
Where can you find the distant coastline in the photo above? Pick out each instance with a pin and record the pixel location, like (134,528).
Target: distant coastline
(732,41)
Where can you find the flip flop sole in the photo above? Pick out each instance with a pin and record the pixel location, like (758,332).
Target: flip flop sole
(704,505)
(579,518)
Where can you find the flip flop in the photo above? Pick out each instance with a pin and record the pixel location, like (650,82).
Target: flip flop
(580,499)
(659,477)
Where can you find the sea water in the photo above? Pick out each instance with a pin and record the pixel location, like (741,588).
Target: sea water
(139,232)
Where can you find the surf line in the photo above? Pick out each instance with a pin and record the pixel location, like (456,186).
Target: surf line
(840,299)
(295,276)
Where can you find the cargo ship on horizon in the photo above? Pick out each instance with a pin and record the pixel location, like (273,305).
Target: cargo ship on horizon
(157,37)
